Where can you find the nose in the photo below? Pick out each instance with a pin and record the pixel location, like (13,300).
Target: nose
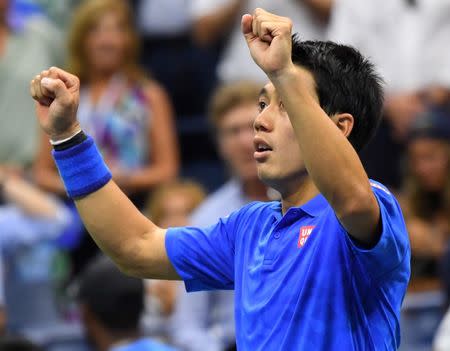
(262,122)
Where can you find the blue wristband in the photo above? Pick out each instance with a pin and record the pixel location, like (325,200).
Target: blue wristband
(82,168)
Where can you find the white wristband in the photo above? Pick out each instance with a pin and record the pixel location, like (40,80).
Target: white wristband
(58,142)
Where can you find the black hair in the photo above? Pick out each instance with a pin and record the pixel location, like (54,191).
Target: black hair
(17,343)
(116,300)
(346,82)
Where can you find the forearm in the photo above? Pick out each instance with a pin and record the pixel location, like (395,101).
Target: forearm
(49,180)
(148,177)
(28,198)
(132,241)
(330,160)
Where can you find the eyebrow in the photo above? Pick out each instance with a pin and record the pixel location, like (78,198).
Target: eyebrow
(263,92)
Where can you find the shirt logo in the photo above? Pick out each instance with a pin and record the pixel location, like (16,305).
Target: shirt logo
(305,232)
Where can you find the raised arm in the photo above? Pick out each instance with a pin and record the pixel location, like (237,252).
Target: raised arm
(330,160)
(120,230)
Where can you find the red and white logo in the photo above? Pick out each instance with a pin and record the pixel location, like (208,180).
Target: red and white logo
(305,232)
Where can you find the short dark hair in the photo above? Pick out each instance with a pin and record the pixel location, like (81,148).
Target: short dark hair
(17,343)
(346,82)
(116,300)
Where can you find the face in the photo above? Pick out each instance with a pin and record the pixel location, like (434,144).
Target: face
(107,43)
(277,153)
(235,138)
(176,208)
(430,162)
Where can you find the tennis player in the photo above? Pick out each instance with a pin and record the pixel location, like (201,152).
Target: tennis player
(324,269)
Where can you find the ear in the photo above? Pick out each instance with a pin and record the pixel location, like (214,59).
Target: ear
(345,123)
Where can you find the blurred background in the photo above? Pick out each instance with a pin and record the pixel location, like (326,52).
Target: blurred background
(168,90)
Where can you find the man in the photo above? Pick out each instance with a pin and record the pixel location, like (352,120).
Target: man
(325,269)
(205,320)
(111,306)
(29,221)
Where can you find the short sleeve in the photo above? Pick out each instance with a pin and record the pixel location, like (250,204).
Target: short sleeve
(204,257)
(393,245)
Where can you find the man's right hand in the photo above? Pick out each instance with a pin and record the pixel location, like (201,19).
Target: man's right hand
(57,95)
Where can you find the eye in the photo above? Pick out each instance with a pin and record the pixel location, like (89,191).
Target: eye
(261,105)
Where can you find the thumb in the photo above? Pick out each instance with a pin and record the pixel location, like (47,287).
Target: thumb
(246,27)
(55,87)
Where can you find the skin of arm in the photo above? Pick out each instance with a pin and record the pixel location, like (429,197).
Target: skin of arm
(163,147)
(135,244)
(330,160)
(28,198)
(208,28)
(44,170)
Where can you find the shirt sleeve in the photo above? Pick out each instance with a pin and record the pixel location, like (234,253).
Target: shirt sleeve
(393,245)
(204,257)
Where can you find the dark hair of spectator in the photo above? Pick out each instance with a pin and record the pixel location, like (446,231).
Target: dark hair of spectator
(346,82)
(85,17)
(432,124)
(229,96)
(15,343)
(115,299)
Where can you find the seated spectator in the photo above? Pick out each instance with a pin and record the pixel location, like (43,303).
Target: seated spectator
(407,41)
(29,221)
(426,207)
(111,306)
(213,19)
(128,114)
(169,206)
(205,320)
(11,343)
(24,50)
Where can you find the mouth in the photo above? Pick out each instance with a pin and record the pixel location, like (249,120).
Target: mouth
(262,149)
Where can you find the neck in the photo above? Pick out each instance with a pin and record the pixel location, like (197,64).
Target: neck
(254,189)
(298,194)
(100,77)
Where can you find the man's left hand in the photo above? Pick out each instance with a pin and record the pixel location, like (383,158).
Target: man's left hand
(269,38)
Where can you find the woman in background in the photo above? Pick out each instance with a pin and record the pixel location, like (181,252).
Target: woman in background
(426,207)
(128,114)
(169,206)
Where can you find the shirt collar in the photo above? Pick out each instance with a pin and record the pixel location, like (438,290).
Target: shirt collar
(313,207)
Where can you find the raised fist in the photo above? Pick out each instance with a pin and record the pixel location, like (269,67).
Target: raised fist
(269,38)
(57,95)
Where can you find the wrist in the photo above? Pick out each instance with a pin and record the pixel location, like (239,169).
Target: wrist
(70,132)
(76,139)
(285,74)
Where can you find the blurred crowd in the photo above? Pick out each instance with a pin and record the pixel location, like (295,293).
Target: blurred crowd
(169,91)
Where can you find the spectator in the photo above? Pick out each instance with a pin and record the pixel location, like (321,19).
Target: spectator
(205,320)
(111,306)
(426,206)
(12,343)
(213,19)
(129,115)
(407,40)
(41,43)
(169,206)
(170,55)
(29,219)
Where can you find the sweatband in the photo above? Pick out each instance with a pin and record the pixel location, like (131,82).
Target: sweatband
(82,168)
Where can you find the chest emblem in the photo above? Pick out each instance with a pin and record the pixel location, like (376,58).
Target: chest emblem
(304,234)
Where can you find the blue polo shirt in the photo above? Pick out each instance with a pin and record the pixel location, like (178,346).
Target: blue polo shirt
(301,282)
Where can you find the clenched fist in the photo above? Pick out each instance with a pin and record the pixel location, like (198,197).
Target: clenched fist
(269,38)
(57,95)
